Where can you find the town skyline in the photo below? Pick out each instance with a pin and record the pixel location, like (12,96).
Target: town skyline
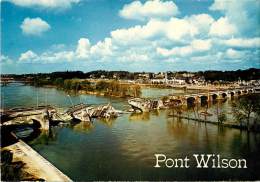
(150,36)
(182,76)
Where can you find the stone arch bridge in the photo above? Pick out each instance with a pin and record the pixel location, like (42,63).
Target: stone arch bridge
(40,114)
(211,96)
(145,105)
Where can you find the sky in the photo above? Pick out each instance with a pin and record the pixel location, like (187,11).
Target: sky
(157,35)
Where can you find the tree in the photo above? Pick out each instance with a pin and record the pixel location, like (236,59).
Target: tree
(222,117)
(245,106)
(59,82)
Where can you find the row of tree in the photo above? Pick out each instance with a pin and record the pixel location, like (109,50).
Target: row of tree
(112,88)
(249,74)
(246,111)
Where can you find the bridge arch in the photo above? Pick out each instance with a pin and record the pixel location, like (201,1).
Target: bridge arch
(232,93)
(214,96)
(238,92)
(203,100)
(224,95)
(36,123)
(190,101)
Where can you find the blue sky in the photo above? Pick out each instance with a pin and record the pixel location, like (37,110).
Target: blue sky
(47,35)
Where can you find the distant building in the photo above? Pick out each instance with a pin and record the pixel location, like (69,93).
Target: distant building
(188,75)
(143,76)
(115,76)
(177,81)
(157,81)
(159,75)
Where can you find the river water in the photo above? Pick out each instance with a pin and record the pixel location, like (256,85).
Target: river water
(124,148)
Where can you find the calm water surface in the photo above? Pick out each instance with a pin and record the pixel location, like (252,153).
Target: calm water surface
(124,148)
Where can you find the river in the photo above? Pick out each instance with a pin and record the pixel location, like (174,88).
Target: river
(124,148)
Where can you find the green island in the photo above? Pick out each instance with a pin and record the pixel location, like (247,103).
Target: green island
(101,87)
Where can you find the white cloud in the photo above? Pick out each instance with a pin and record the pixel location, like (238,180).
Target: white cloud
(55,57)
(53,4)
(175,29)
(47,57)
(134,57)
(150,9)
(209,58)
(163,43)
(195,47)
(28,56)
(131,35)
(201,45)
(177,51)
(102,49)
(34,26)
(5,59)
(234,54)
(244,14)
(127,44)
(222,28)
(222,5)
(242,42)
(201,21)
(83,48)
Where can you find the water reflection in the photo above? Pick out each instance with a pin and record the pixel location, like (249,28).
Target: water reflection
(176,127)
(83,126)
(107,121)
(46,137)
(145,116)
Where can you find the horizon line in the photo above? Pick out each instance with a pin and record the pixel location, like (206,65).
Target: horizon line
(128,71)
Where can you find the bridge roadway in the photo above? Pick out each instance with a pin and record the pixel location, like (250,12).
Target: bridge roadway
(35,163)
